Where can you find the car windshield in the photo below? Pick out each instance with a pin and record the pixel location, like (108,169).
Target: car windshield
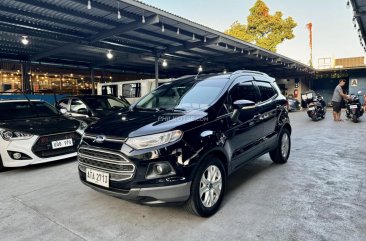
(24,110)
(104,103)
(184,94)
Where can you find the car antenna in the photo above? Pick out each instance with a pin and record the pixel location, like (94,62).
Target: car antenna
(29,101)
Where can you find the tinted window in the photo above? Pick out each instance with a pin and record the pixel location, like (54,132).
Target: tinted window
(63,104)
(76,105)
(186,94)
(131,90)
(266,90)
(23,110)
(244,91)
(104,103)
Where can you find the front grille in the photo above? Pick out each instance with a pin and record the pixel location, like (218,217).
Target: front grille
(120,168)
(43,146)
(110,142)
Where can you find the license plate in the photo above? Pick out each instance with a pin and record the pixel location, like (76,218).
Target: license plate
(353,107)
(62,143)
(97,177)
(311,108)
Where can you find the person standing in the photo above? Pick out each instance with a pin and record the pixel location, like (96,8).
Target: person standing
(338,95)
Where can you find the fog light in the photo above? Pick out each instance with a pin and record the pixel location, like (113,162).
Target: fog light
(17,155)
(162,169)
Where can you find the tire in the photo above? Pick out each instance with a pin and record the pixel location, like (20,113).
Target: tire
(314,118)
(354,118)
(2,168)
(282,152)
(211,165)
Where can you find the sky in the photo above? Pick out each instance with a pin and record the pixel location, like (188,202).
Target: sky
(333,32)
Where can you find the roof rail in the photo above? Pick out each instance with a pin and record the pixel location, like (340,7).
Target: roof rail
(248,71)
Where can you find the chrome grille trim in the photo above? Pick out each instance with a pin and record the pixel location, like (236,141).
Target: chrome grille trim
(87,161)
(110,139)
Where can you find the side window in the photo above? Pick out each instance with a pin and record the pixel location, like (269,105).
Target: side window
(244,91)
(76,105)
(266,90)
(63,104)
(131,90)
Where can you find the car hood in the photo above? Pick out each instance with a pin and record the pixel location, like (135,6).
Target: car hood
(41,126)
(140,123)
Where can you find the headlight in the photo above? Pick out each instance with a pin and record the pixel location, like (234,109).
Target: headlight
(149,141)
(9,135)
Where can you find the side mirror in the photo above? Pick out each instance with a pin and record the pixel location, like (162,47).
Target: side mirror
(239,106)
(244,104)
(63,111)
(82,111)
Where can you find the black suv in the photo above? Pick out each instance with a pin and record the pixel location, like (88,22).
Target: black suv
(180,142)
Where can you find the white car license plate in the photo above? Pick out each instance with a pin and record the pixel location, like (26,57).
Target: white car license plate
(311,108)
(97,177)
(353,107)
(62,143)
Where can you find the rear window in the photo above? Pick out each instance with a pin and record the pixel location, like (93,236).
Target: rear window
(24,110)
(266,90)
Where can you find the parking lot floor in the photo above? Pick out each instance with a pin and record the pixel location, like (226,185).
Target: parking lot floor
(320,194)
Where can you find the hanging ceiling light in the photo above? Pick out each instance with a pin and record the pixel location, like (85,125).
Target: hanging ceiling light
(25,40)
(109,54)
(162,28)
(193,37)
(225,71)
(200,69)
(205,39)
(118,11)
(89,5)
(178,31)
(143,20)
(242,51)
(235,49)
(165,63)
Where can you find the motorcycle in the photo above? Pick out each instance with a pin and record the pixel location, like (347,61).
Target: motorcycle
(354,108)
(316,107)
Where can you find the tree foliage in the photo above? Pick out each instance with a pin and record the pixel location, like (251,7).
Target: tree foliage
(262,28)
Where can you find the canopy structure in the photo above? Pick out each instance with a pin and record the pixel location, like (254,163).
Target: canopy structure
(359,19)
(140,37)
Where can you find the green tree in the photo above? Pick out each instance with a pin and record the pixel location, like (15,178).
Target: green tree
(262,28)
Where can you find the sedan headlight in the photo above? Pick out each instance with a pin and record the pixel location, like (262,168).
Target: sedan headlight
(10,135)
(143,142)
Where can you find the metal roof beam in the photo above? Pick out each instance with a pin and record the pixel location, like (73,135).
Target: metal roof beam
(190,45)
(123,29)
(96,37)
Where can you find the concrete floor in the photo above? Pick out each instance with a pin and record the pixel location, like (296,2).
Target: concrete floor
(320,194)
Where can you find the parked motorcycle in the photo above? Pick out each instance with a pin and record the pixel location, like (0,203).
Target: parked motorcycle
(316,105)
(354,108)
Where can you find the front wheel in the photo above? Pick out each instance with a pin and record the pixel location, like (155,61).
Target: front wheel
(282,151)
(2,168)
(208,188)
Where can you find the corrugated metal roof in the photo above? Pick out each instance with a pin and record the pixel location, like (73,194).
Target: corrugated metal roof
(66,30)
(359,19)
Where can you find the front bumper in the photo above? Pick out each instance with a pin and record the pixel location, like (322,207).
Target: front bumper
(152,195)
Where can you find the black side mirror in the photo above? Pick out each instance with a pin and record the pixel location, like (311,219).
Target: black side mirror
(241,105)
(82,111)
(244,105)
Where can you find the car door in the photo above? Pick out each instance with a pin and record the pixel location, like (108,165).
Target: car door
(246,133)
(268,106)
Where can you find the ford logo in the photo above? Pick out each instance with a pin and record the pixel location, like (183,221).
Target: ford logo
(99,139)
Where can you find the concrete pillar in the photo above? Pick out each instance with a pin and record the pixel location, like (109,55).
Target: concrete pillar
(25,68)
(92,81)
(156,71)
